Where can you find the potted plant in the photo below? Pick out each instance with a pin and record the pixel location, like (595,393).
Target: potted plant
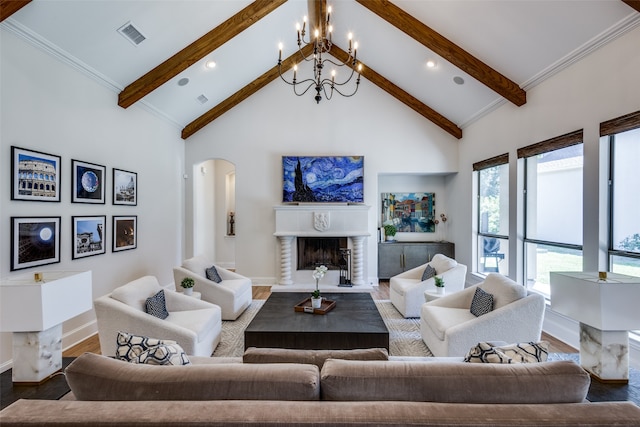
(390,231)
(316,299)
(439,284)
(187,284)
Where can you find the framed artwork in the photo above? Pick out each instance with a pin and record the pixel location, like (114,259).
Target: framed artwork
(409,212)
(35,176)
(88,236)
(125,187)
(125,230)
(325,179)
(35,241)
(87,182)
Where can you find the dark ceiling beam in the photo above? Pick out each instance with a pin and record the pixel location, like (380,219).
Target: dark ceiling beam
(243,93)
(9,7)
(447,49)
(633,3)
(402,96)
(196,51)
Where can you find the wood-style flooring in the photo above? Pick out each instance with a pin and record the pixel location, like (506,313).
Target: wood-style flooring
(92,344)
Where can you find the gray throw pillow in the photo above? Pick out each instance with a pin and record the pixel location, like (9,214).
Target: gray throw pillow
(428,273)
(156,305)
(212,274)
(482,303)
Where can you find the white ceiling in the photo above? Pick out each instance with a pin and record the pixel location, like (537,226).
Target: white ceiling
(525,40)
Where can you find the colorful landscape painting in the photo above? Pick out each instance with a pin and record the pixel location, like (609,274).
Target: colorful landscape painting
(410,212)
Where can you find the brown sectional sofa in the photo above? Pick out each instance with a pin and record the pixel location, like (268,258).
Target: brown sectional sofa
(340,393)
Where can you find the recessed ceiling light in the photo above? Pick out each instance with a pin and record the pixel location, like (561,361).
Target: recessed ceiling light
(183,81)
(458,80)
(431,63)
(210,64)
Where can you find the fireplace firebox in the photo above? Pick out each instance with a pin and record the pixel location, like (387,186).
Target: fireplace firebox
(316,251)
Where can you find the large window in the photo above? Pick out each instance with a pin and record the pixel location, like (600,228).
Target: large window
(493,215)
(553,209)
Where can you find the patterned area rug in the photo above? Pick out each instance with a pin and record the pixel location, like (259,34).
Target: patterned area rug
(404,334)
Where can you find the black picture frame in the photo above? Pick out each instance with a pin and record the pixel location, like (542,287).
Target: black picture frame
(124,232)
(35,241)
(88,236)
(125,187)
(88,182)
(35,176)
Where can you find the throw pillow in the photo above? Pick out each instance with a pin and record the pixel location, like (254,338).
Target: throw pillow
(482,303)
(130,346)
(429,272)
(163,354)
(530,352)
(212,274)
(157,306)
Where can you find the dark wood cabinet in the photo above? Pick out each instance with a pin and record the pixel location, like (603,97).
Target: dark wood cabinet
(395,258)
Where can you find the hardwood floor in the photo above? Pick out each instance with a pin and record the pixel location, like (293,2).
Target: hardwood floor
(92,344)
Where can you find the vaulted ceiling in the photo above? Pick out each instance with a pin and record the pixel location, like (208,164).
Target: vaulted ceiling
(497,49)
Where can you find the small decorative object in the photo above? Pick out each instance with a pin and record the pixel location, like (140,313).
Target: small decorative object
(318,274)
(125,187)
(390,231)
(35,176)
(125,230)
(316,299)
(187,284)
(602,275)
(37,277)
(87,182)
(232,222)
(443,218)
(439,284)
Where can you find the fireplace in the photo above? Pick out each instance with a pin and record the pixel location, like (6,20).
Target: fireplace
(312,235)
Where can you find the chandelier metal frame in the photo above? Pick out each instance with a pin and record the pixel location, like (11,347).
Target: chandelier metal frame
(322,44)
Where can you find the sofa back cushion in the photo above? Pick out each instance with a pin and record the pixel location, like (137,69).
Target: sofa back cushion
(197,265)
(454,382)
(135,293)
(312,357)
(442,263)
(95,377)
(504,290)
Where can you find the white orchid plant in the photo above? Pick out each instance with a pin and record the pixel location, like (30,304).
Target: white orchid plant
(318,274)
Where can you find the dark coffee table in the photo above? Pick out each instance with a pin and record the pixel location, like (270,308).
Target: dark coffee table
(355,322)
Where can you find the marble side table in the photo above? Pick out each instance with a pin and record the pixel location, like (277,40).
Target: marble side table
(34,312)
(607,310)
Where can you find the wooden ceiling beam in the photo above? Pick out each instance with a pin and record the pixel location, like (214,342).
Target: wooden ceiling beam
(402,96)
(9,7)
(447,49)
(633,3)
(196,51)
(243,93)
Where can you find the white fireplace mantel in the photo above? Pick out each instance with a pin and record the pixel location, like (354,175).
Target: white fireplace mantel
(321,220)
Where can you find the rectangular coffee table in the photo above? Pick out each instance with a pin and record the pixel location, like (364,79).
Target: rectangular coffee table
(355,322)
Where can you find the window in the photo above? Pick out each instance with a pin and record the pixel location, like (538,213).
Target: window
(493,215)
(553,209)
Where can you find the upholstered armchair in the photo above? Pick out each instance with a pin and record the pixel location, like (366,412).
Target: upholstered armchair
(195,325)
(407,289)
(449,328)
(232,293)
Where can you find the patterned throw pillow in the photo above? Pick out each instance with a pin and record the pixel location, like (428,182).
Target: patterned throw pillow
(530,352)
(482,303)
(212,274)
(157,306)
(429,272)
(163,354)
(130,346)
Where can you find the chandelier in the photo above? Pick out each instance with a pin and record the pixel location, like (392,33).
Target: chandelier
(322,44)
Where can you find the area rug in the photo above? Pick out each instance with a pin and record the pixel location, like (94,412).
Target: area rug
(404,334)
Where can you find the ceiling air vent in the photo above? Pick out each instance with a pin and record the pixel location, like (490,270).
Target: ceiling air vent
(131,33)
(202,99)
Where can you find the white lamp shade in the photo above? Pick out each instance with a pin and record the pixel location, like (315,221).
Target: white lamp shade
(29,306)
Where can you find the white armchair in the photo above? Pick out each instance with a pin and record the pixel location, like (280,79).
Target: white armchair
(407,289)
(195,325)
(232,294)
(449,328)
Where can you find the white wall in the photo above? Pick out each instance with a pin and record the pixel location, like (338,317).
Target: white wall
(256,134)
(48,106)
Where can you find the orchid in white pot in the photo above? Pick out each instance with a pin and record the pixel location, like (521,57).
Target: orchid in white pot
(318,273)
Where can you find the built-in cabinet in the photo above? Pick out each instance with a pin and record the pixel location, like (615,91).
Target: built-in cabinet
(395,258)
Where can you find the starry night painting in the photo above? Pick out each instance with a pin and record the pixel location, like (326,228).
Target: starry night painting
(325,179)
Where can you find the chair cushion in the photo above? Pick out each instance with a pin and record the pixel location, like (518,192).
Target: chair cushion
(440,319)
(135,293)
(482,303)
(429,272)
(157,306)
(163,354)
(213,275)
(442,263)
(504,290)
(198,265)
(130,346)
(199,321)
(530,352)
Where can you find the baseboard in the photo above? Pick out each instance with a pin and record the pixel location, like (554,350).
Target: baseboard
(79,334)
